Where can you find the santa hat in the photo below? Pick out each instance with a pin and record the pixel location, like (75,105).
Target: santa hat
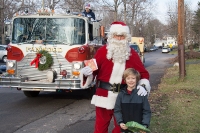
(119,28)
(87,6)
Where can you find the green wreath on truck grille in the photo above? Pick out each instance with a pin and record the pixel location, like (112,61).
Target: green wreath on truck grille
(46,60)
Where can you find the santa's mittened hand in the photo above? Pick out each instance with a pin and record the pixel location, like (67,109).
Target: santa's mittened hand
(86,71)
(141,91)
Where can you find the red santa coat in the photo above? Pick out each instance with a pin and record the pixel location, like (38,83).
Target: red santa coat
(104,98)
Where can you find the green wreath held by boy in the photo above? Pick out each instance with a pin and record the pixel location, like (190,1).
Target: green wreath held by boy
(46,60)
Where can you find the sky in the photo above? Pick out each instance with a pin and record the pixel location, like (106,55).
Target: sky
(162,7)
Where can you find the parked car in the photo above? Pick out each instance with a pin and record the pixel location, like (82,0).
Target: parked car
(169,49)
(155,47)
(3,53)
(165,50)
(2,68)
(152,49)
(137,49)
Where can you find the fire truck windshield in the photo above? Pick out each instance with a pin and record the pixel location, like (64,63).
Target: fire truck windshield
(69,31)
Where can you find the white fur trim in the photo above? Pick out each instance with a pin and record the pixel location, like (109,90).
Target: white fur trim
(105,102)
(147,84)
(119,29)
(117,72)
(88,80)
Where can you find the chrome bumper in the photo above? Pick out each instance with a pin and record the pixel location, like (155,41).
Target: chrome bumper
(20,83)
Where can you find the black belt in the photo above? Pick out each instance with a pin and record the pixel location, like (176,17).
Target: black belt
(110,87)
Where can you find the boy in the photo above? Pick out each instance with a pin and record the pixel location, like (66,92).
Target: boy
(129,106)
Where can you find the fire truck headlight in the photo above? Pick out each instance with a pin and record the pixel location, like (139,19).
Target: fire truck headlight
(10,64)
(77,66)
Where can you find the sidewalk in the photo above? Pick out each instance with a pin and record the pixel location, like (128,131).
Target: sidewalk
(80,127)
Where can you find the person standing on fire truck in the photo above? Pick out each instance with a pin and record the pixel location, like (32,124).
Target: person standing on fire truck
(88,11)
(112,59)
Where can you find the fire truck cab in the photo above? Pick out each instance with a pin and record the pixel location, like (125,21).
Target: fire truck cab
(47,52)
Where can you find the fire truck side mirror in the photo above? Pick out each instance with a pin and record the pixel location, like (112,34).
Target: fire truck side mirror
(26,11)
(68,11)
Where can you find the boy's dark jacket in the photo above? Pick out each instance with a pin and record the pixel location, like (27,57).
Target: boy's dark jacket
(90,13)
(131,107)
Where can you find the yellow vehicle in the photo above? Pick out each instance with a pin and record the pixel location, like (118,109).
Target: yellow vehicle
(140,42)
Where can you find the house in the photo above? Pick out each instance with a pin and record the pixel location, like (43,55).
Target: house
(159,42)
(171,42)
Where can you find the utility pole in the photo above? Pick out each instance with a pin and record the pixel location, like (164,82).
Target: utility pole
(2,23)
(181,48)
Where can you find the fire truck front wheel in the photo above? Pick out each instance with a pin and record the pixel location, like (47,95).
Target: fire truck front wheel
(31,93)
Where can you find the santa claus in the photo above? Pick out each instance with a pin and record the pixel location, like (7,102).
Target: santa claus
(112,59)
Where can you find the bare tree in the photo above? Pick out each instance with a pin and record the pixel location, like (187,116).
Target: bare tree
(105,13)
(172,19)
(114,5)
(173,22)
(189,33)
(8,9)
(139,12)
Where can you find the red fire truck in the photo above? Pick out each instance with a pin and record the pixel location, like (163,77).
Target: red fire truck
(47,51)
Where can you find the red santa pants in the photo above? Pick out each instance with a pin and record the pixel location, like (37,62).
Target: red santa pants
(103,117)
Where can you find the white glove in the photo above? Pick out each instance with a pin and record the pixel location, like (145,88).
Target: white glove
(141,91)
(86,71)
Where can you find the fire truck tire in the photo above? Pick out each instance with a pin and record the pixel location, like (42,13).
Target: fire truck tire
(31,93)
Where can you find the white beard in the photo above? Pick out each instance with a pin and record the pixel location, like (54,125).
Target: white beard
(118,50)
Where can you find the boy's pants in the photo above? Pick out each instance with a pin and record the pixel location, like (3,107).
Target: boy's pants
(103,117)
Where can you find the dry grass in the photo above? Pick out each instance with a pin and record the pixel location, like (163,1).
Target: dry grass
(176,103)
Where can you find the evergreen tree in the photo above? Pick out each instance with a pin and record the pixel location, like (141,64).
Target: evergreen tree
(196,24)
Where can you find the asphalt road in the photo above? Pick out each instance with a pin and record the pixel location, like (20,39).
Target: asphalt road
(61,113)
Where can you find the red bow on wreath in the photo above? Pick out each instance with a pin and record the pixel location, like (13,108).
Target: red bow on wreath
(36,60)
